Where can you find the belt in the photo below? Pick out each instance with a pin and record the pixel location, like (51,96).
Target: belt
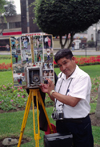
(76,120)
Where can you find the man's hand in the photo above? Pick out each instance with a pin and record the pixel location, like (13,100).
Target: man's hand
(46,88)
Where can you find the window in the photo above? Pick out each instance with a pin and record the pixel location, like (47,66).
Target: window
(14,25)
(4,25)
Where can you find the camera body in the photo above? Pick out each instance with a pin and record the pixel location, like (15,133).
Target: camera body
(58,115)
(33,76)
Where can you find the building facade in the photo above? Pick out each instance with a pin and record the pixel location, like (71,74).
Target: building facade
(21,23)
(27,17)
(11,26)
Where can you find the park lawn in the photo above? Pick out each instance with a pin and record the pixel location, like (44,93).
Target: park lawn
(5,56)
(92,70)
(79,56)
(5,61)
(10,123)
(6,77)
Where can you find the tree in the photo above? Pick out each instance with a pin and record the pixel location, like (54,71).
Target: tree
(64,17)
(7,9)
(2,3)
(10,9)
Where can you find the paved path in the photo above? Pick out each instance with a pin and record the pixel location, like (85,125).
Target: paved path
(85,52)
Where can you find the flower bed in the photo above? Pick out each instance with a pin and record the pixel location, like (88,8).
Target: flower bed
(4,67)
(88,60)
(12,97)
(85,60)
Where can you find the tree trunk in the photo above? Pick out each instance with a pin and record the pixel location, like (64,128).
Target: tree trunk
(2,26)
(67,40)
(97,113)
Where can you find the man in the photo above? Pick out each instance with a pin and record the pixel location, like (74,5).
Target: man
(46,41)
(72,95)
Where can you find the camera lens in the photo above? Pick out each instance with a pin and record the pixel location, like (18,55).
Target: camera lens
(45,81)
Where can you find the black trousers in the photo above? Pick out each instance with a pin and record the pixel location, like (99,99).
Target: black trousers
(80,128)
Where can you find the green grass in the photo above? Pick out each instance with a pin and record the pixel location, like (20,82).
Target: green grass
(5,60)
(79,56)
(6,77)
(96,135)
(10,123)
(5,56)
(92,70)
(93,107)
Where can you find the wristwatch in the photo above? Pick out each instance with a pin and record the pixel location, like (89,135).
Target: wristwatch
(52,91)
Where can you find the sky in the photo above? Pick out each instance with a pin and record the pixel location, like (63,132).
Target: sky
(17,4)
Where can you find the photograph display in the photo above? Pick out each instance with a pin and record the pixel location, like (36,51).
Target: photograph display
(38,48)
(24,49)
(48,69)
(4,45)
(16,50)
(26,54)
(17,65)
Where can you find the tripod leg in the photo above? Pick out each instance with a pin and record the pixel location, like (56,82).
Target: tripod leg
(25,118)
(36,135)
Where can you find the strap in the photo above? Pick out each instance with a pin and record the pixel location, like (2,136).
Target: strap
(66,90)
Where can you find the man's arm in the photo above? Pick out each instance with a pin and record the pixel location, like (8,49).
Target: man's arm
(66,99)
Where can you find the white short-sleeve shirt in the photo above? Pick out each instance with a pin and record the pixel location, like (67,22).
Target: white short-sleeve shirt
(80,87)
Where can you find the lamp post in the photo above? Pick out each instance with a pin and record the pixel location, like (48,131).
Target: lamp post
(96,36)
(27,13)
(95,29)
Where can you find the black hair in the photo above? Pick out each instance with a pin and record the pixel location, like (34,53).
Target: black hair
(67,53)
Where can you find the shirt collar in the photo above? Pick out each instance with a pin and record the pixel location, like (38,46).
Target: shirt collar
(73,74)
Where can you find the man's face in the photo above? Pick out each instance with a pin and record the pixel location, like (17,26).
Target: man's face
(67,66)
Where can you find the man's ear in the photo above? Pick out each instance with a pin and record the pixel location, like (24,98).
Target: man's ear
(73,58)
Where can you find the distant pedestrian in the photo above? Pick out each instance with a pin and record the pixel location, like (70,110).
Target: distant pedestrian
(46,42)
(8,47)
(73,44)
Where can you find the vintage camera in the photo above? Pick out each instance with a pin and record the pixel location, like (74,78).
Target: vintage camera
(33,76)
(58,115)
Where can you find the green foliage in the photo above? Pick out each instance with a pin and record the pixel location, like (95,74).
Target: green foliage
(10,10)
(95,83)
(2,3)
(12,97)
(59,17)
(7,8)
(90,43)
